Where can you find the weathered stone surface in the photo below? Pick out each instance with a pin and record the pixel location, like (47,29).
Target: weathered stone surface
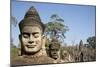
(32,41)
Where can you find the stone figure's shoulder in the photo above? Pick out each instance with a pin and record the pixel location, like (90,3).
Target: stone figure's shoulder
(46,59)
(30,61)
(17,61)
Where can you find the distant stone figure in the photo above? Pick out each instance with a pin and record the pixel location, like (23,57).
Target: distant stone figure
(81,57)
(32,40)
(81,49)
(59,55)
(66,57)
(81,45)
(54,51)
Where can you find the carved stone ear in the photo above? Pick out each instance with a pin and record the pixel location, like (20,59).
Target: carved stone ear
(19,36)
(43,39)
(21,50)
(43,45)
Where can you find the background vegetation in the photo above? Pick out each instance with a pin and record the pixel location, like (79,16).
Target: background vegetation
(55,28)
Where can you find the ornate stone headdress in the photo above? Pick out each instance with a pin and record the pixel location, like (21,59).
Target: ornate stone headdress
(55,44)
(31,18)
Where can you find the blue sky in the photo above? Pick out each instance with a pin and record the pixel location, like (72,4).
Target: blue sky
(79,18)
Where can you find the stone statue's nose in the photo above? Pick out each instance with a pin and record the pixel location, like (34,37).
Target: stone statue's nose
(31,40)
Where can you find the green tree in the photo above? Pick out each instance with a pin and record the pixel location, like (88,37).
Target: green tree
(91,42)
(56,28)
(13,21)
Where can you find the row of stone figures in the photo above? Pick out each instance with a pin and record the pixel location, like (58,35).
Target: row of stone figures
(32,41)
(55,52)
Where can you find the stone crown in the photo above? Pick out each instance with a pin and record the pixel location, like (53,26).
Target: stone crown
(31,18)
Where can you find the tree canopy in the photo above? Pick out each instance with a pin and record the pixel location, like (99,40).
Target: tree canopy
(91,42)
(56,28)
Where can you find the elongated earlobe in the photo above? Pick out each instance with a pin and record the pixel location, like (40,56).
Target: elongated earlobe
(43,40)
(43,45)
(21,50)
(19,36)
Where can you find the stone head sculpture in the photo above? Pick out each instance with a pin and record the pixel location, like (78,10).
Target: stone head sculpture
(54,49)
(31,32)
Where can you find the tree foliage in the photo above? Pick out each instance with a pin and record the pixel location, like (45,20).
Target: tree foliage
(91,42)
(13,21)
(56,28)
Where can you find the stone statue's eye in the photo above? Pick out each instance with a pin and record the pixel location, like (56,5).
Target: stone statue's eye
(36,36)
(25,35)
(56,49)
(52,49)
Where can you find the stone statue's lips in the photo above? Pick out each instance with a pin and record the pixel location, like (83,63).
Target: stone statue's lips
(31,46)
(54,54)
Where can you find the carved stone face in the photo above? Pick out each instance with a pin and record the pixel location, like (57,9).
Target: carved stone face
(64,54)
(55,52)
(31,39)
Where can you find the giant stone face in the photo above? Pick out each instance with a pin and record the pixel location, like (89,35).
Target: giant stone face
(31,39)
